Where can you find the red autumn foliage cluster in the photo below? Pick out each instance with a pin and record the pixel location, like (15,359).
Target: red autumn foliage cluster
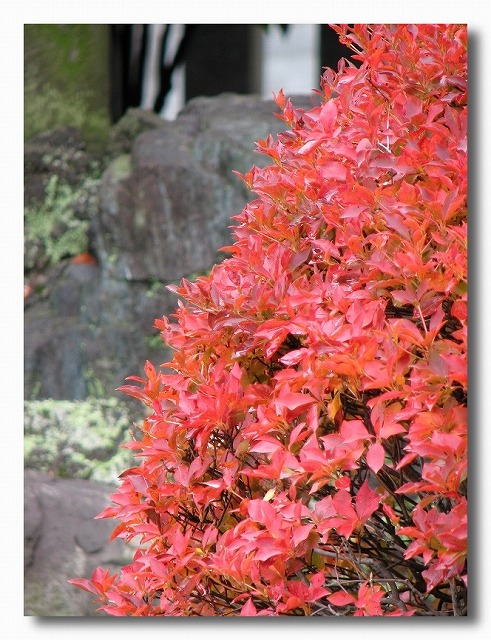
(308,454)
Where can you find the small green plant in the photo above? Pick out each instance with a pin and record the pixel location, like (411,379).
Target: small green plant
(95,388)
(155,287)
(54,229)
(154,341)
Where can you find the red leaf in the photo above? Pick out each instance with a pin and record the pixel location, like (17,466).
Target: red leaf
(366,501)
(262,511)
(292,400)
(354,430)
(301,533)
(333,170)
(248,609)
(341,598)
(328,115)
(136,392)
(375,457)
(267,548)
(310,146)
(84,584)
(408,458)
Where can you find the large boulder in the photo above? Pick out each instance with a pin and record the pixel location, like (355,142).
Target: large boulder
(166,207)
(134,122)
(163,211)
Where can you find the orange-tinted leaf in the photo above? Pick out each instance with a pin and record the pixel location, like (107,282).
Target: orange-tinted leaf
(341,598)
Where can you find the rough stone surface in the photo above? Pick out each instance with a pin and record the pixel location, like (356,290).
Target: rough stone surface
(164,221)
(58,152)
(62,541)
(162,212)
(165,209)
(85,333)
(130,126)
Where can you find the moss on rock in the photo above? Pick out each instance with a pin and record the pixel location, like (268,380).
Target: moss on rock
(58,226)
(77,439)
(66,79)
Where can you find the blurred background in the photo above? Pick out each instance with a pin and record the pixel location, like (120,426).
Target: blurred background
(91,74)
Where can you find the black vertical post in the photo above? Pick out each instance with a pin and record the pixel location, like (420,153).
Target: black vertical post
(218,60)
(119,45)
(128,50)
(331,50)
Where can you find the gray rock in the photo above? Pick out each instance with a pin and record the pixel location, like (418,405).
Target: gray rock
(32,524)
(63,541)
(164,222)
(58,152)
(162,212)
(124,132)
(165,210)
(86,333)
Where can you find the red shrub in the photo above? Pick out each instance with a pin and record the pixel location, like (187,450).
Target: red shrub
(308,455)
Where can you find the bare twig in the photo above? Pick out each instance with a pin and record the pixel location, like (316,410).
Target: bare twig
(457,611)
(384,578)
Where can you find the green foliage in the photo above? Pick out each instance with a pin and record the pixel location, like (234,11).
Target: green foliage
(155,287)
(53,230)
(95,387)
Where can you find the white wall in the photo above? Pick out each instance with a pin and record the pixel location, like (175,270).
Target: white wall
(290,60)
